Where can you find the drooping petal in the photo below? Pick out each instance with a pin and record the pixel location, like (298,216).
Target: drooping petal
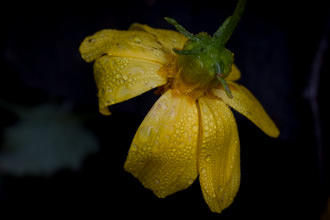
(245,103)
(168,38)
(235,74)
(129,44)
(120,78)
(163,154)
(219,154)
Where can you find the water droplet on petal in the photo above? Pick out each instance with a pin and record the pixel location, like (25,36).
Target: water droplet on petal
(134,147)
(145,133)
(91,40)
(222,198)
(146,82)
(137,40)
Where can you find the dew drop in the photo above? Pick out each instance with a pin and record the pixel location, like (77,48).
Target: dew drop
(190,181)
(137,40)
(134,147)
(181,145)
(91,40)
(222,198)
(172,116)
(208,157)
(145,133)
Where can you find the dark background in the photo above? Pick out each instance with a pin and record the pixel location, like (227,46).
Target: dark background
(282,50)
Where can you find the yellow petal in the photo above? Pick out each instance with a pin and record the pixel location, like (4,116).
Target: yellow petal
(245,103)
(119,79)
(219,154)
(163,154)
(168,38)
(133,44)
(235,73)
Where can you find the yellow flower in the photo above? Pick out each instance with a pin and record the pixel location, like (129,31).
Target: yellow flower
(190,131)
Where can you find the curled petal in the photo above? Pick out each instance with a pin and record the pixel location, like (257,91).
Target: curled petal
(245,103)
(168,38)
(134,44)
(120,78)
(163,154)
(235,74)
(219,154)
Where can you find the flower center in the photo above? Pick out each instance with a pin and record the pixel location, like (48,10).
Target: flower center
(204,62)
(204,59)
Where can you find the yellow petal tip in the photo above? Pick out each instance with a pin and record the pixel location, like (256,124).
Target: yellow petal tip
(274,132)
(105,111)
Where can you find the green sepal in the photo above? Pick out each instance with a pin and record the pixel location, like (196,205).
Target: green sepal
(225,85)
(181,29)
(188,52)
(221,29)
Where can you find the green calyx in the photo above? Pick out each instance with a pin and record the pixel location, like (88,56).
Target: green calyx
(205,58)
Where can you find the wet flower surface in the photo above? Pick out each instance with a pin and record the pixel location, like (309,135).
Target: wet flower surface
(190,131)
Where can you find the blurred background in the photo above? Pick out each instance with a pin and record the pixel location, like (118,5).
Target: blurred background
(55,146)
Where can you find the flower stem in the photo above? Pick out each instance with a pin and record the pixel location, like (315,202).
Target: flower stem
(223,34)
